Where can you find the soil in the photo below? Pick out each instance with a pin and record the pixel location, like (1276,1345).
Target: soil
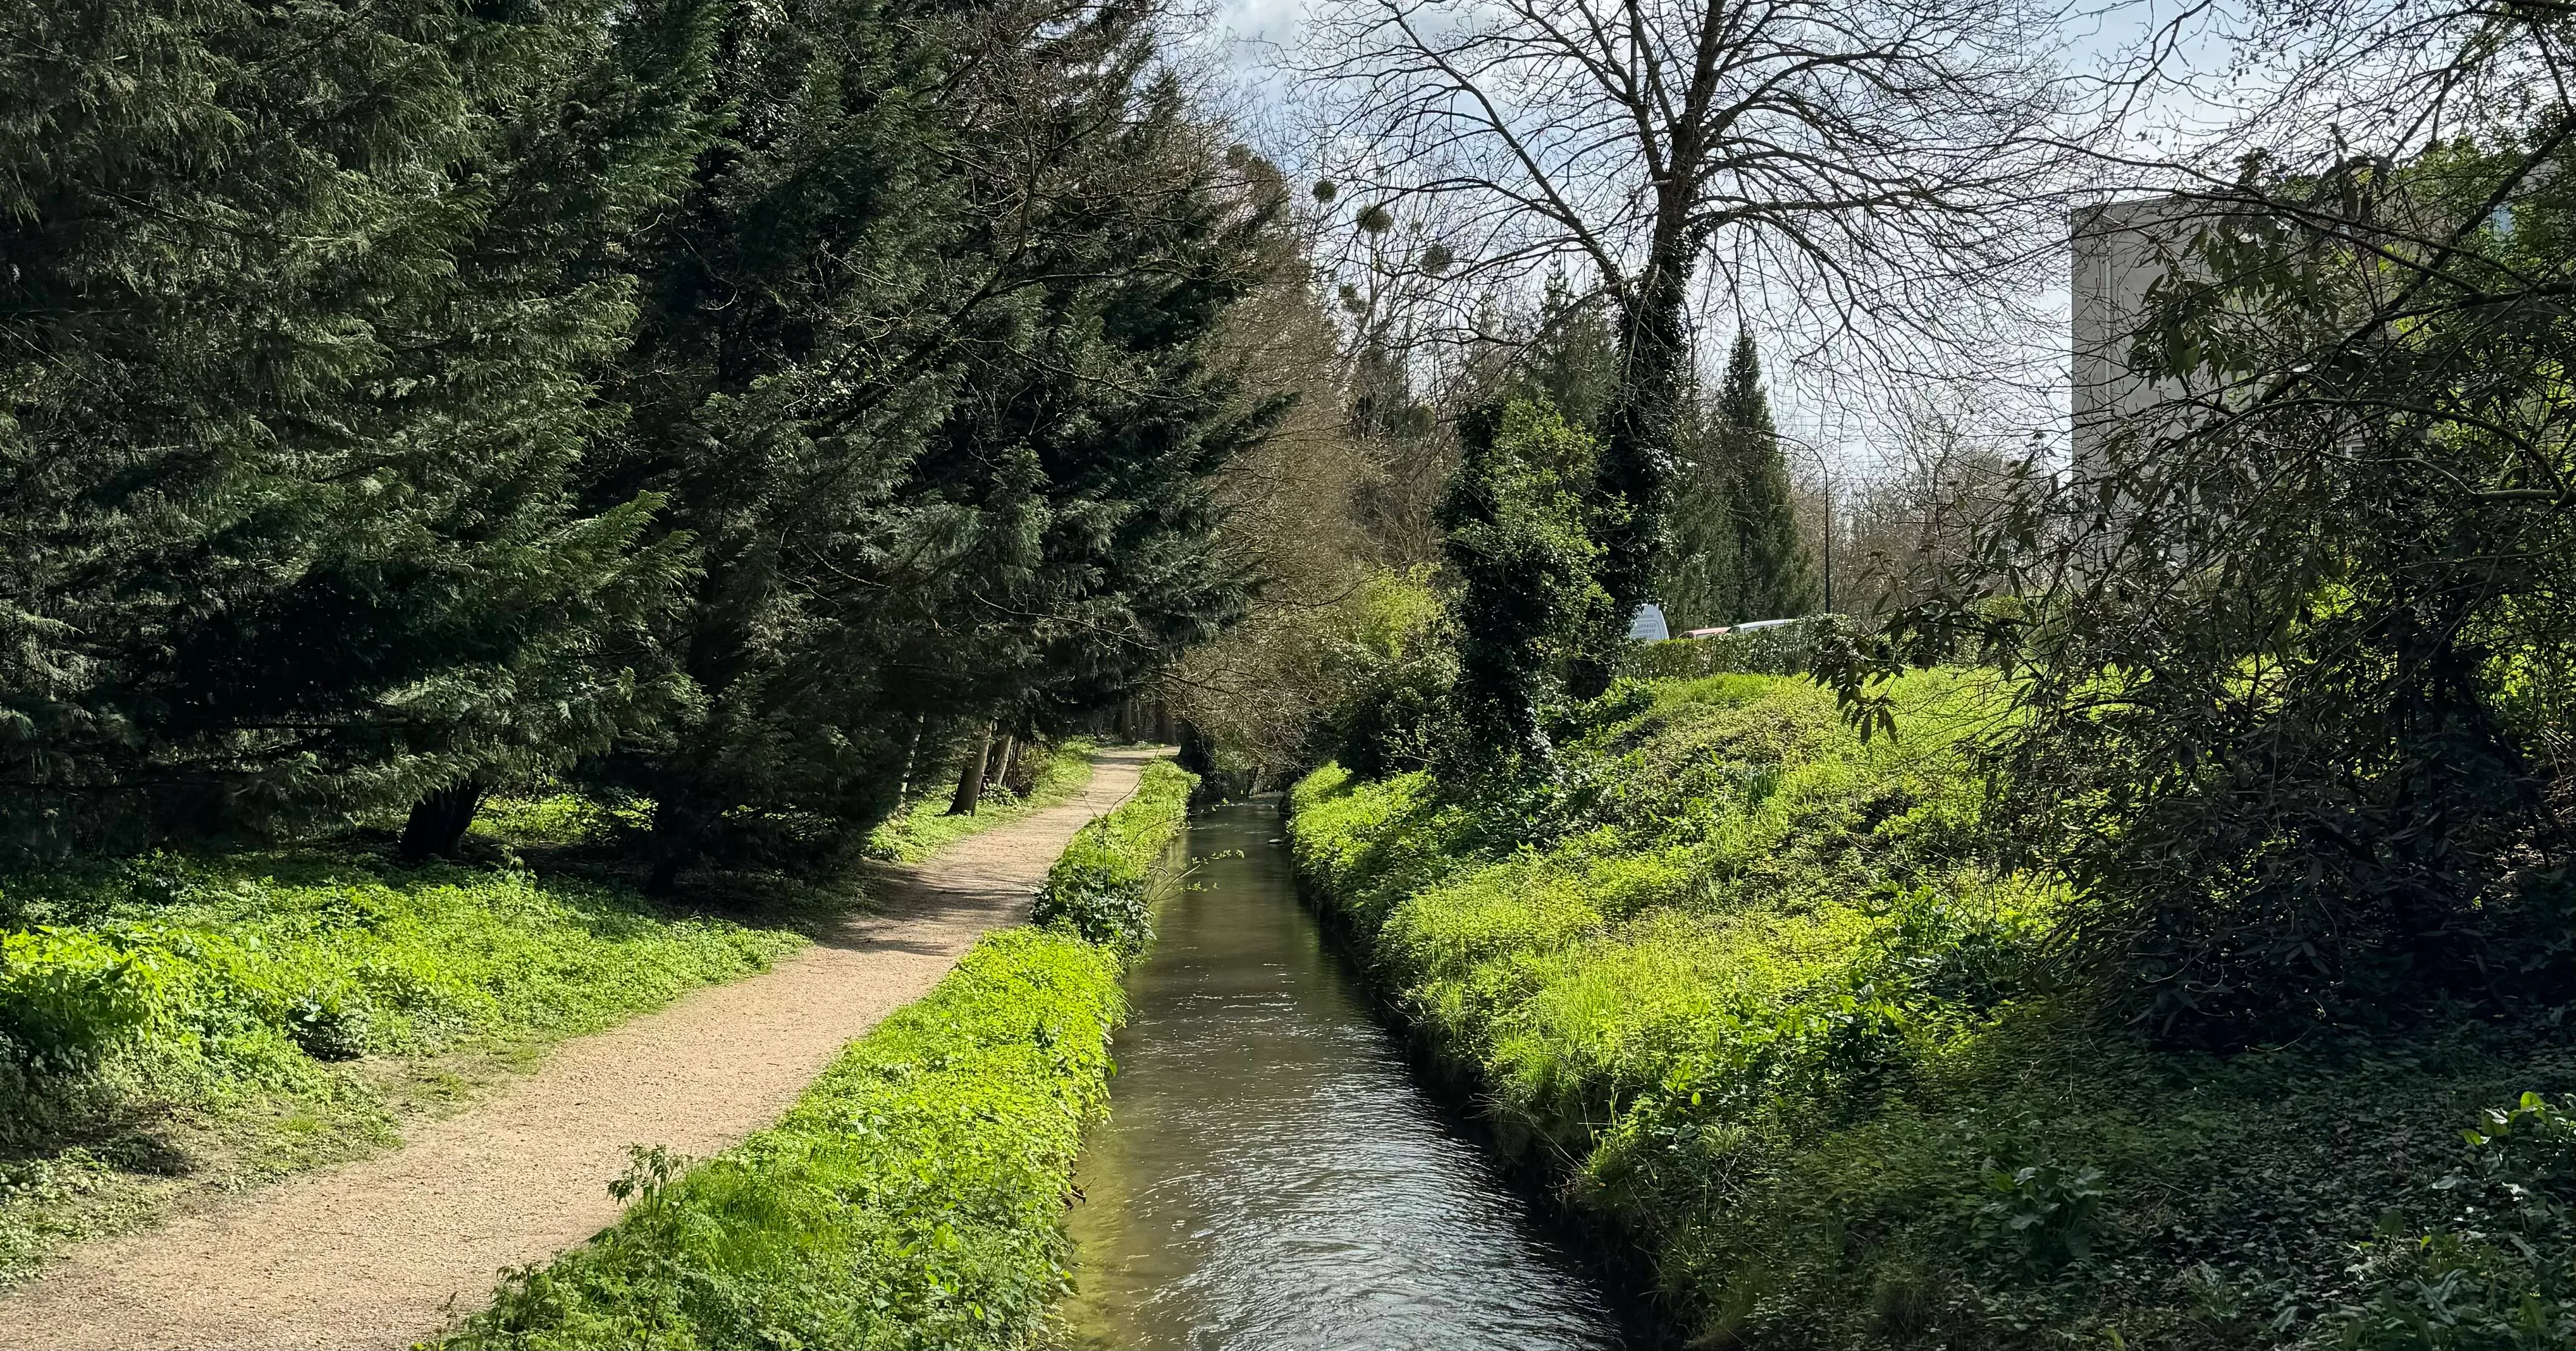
(385,1251)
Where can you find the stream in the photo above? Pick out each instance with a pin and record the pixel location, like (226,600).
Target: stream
(1270,1174)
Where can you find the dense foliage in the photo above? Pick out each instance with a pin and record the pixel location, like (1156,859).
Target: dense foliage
(182,1015)
(2289,653)
(726,407)
(909,1199)
(1760,1002)
(1522,553)
(930,358)
(1101,888)
(301,306)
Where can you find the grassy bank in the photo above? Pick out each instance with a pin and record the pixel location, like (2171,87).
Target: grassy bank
(912,1197)
(921,830)
(1100,888)
(180,1023)
(1783,1037)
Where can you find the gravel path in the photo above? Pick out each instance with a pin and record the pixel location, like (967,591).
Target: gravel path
(371,1254)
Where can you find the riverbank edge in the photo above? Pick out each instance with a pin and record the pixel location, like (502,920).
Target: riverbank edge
(914,1195)
(1620,1260)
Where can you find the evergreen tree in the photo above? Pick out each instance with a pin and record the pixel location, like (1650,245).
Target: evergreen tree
(1771,576)
(1699,575)
(1572,359)
(299,304)
(935,405)
(1522,552)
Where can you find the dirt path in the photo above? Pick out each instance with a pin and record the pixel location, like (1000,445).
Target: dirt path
(369,1254)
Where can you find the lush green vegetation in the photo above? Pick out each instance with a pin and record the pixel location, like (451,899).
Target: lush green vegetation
(1794,1039)
(918,831)
(911,1198)
(705,407)
(1101,888)
(190,1021)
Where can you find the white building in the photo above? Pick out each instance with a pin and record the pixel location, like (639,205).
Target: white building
(2121,250)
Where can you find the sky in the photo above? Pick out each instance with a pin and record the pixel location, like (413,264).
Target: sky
(1249,39)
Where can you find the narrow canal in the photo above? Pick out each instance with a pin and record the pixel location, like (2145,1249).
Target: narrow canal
(1270,1176)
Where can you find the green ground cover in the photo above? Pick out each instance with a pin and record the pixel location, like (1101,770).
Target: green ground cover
(922,829)
(913,1196)
(1755,1000)
(188,1022)
(1101,886)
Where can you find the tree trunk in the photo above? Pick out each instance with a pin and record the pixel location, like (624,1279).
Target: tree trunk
(1628,484)
(1009,756)
(911,753)
(674,838)
(439,821)
(970,780)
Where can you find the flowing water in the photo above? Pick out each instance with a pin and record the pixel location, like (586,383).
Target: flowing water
(1270,1176)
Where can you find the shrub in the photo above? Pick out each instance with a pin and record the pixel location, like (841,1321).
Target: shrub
(1783,650)
(909,1199)
(67,996)
(1100,889)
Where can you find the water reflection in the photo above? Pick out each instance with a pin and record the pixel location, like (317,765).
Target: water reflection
(1270,1176)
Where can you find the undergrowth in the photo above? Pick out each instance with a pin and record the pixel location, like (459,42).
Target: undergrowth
(923,828)
(1749,985)
(205,1021)
(1100,888)
(913,1196)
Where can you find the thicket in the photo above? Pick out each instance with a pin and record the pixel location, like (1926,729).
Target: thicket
(913,1196)
(1758,998)
(187,1017)
(2288,653)
(724,409)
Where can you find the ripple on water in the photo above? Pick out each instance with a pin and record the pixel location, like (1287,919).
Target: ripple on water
(1270,1175)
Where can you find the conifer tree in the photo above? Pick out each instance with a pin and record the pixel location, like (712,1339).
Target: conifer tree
(295,322)
(1573,356)
(1771,576)
(1698,577)
(934,404)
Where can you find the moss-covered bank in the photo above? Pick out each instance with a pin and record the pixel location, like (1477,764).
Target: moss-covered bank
(1754,1002)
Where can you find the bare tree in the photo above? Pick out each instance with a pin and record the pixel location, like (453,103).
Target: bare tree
(1862,155)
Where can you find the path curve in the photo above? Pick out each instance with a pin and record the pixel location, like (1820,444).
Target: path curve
(370,1254)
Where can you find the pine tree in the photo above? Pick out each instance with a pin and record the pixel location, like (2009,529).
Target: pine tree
(300,303)
(1771,576)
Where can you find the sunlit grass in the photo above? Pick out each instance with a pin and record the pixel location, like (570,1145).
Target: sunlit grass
(925,827)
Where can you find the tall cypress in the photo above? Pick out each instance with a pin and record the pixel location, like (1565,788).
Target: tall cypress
(1771,576)
(937,410)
